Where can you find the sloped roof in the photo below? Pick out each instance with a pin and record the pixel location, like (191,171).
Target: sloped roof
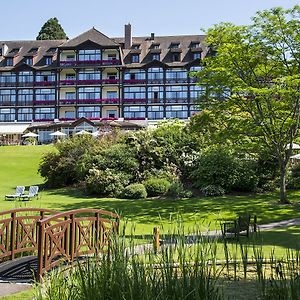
(92,35)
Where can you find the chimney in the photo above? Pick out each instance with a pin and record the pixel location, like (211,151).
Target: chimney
(152,36)
(128,39)
(3,50)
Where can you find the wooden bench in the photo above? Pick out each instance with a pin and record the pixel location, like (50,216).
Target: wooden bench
(239,227)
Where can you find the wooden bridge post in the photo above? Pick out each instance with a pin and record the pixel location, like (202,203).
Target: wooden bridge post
(255,223)
(13,235)
(97,241)
(72,237)
(41,254)
(156,239)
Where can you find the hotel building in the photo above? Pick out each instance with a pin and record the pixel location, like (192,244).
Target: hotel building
(49,85)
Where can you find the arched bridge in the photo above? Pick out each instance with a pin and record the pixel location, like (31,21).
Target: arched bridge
(33,240)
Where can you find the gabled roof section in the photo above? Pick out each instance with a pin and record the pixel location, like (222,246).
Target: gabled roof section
(92,35)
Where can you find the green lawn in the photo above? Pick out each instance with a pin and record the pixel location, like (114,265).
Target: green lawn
(19,166)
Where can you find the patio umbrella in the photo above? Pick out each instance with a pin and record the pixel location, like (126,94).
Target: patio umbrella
(82,132)
(30,134)
(57,133)
(297,156)
(294,146)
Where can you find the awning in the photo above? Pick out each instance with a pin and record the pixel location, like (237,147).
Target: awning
(13,128)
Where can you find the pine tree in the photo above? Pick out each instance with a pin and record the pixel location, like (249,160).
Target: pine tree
(52,30)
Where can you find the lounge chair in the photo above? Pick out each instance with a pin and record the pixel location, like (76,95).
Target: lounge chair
(33,192)
(19,192)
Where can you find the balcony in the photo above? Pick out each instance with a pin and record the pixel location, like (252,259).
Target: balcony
(134,81)
(43,119)
(72,82)
(67,101)
(176,80)
(44,102)
(103,62)
(177,100)
(67,119)
(26,84)
(67,82)
(134,118)
(44,83)
(110,81)
(134,101)
(7,84)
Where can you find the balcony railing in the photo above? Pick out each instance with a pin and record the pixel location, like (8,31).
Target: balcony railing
(44,102)
(68,82)
(134,81)
(43,119)
(134,101)
(176,80)
(90,101)
(44,83)
(67,119)
(177,100)
(104,62)
(132,118)
(7,84)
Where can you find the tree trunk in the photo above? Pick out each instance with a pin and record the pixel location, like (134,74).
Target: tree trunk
(283,195)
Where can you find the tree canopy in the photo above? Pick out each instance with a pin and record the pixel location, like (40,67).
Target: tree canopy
(52,30)
(252,80)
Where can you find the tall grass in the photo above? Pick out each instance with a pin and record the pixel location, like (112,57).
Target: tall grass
(181,269)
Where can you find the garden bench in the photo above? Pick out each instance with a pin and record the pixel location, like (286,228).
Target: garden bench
(239,227)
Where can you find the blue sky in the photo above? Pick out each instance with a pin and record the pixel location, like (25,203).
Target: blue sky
(22,20)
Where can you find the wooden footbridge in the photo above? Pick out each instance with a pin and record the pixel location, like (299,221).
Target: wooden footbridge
(33,240)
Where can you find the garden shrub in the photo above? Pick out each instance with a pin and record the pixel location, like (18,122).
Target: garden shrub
(177,190)
(213,190)
(156,186)
(106,182)
(135,191)
(293,181)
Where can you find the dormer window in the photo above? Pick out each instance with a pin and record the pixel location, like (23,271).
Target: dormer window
(155,46)
(135,46)
(196,55)
(174,45)
(29,61)
(14,51)
(9,61)
(135,58)
(48,60)
(176,56)
(195,45)
(155,56)
(52,50)
(33,50)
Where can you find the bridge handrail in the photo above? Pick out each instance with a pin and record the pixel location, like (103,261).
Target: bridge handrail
(78,211)
(33,209)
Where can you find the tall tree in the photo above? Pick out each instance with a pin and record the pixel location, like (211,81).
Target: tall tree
(252,75)
(52,30)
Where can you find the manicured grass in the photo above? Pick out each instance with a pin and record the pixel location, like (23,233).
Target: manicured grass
(19,166)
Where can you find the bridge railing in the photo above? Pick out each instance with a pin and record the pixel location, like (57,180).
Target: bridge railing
(18,231)
(65,236)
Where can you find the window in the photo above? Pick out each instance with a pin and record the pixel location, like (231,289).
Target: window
(137,74)
(195,45)
(155,112)
(174,45)
(48,60)
(176,93)
(194,109)
(25,97)
(69,114)
(195,68)
(7,79)
(52,50)
(70,96)
(112,56)
(33,50)
(176,56)
(45,77)
(134,93)
(155,56)
(45,95)
(9,61)
(89,93)
(25,77)
(155,94)
(196,55)
(89,75)
(135,58)
(135,46)
(45,113)
(197,91)
(112,76)
(134,112)
(7,114)
(14,50)
(90,55)
(112,94)
(155,75)
(177,111)
(176,75)
(155,46)
(70,76)
(7,97)
(70,57)
(25,114)
(29,61)
(89,112)
(111,113)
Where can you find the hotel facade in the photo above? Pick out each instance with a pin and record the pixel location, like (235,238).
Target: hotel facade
(49,85)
